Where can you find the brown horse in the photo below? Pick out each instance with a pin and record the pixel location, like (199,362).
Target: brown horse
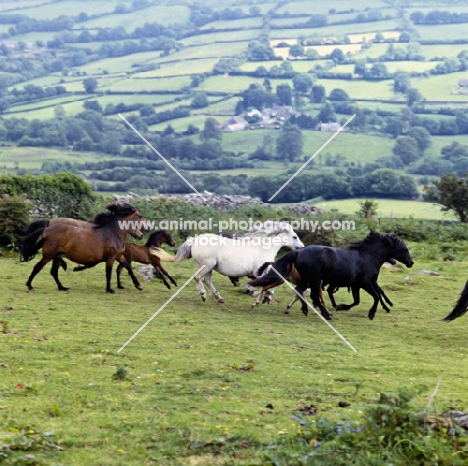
(87,225)
(141,253)
(104,243)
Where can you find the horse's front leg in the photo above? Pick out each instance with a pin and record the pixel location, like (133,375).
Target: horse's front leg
(372,289)
(210,285)
(123,262)
(109,265)
(36,269)
(56,263)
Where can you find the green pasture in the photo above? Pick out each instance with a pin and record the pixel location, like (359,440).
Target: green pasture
(19,4)
(224,107)
(118,64)
(148,85)
(45,81)
(195,66)
(204,51)
(392,107)
(181,124)
(442,50)
(355,147)
(69,8)
(216,37)
(390,208)
(319,7)
(410,66)
(360,89)
(440,87)
(208,383)
(375,51)
(232,84)
(243,23)
(46,103)
(334,30)
(31,158)
(441,31)
(162,14)
(47,112)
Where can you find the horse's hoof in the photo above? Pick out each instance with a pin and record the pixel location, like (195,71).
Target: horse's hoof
(286,311)
(64,288)
(371,316)
(166,285)
(139,287)
(31,289)
(221,300)
(203,298)
(120,287)
(110,291)
(327,317)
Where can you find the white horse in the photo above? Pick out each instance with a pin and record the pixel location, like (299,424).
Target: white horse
(234,257)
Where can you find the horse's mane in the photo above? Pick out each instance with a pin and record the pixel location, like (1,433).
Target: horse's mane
(114,210)
(154,235)
(373,237)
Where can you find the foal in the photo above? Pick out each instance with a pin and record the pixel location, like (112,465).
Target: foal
(141,254)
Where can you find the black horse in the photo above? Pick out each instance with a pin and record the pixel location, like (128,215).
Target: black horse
(356,266)
(460,307)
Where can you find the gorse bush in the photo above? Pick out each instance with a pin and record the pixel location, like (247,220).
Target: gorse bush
(391,432)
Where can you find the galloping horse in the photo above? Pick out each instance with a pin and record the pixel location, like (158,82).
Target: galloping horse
(41,224)
(237,257)
(141,253)
(356,266)
(105,242)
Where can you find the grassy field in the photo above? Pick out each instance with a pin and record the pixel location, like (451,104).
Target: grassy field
(70,8)
(194,385)
(244,23)
(359,89)
(148,85)
(196,66)
(216,37)
(389,208)
(440,87)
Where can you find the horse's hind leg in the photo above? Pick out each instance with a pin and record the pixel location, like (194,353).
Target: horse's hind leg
(56,263)
(36,269)
(356,300)
(118,272)
(317,300)
(165,273)
(385,297)
(210,285)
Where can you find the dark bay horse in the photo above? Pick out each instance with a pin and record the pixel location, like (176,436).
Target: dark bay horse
(141,253)
(355,266)
(461,305)
(105,242)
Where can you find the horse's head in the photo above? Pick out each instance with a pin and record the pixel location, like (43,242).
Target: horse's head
(399,250)
(128,217)
(290,237)
(159,237)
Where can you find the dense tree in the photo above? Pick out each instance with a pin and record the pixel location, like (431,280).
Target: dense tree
(296,50)
(401,83)
(289,142)
(452,192)
(338,95)
(211,130)
(406,148)
(413,96)
(421,135)
(284,94)
(90,85)
(327,113)
(302,82)
(318,94)
(338,56)
(360,67)
(200,100)
(378,71)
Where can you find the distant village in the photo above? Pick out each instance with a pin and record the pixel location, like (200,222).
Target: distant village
(269,118)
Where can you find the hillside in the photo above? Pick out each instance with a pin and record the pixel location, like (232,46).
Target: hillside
(179,71)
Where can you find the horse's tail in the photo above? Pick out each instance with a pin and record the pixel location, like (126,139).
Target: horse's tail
(28,229)
(461,307)
(281,268)
(29,246)
(263,268)
(162,254)
(185,251)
